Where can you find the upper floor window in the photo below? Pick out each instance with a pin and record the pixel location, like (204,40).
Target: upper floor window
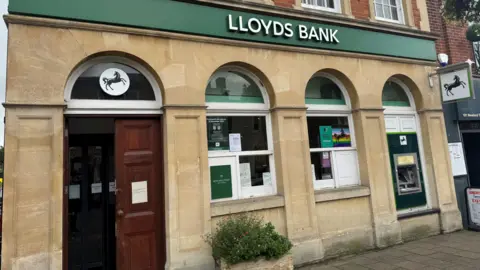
(326,5)
(389,10)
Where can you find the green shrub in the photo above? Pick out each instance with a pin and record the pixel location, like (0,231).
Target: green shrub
(246,238)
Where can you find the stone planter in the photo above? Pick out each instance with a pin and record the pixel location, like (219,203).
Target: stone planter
(284,263)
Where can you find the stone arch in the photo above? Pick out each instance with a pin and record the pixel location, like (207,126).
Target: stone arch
(346,85)
(154,79)
(263,80)
(412,91)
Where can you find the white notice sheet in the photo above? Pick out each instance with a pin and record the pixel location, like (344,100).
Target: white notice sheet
(139,192)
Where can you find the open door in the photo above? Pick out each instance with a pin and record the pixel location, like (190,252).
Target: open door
(139,203)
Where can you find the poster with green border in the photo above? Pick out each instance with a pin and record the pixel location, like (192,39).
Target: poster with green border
(326,137)
(221,182)
(217,133)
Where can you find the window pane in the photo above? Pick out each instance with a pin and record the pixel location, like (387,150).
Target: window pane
(387,12)
(393,3)
(321,90)
(232,86)
(254,171)
(386,2)
(394,14)
(379,10)
(252,129)
(88,86)
(322,165)
(331,3)
(394,95)
(326,132)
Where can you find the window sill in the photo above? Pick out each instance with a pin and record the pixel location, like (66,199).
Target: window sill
(341,193)
(418,213)
(246,205)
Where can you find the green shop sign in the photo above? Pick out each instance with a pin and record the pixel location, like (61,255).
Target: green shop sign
(221,182)
(198,19)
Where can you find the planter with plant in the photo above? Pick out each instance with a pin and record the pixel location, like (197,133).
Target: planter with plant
(245,242)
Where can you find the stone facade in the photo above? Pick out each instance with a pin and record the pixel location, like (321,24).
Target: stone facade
(42,55)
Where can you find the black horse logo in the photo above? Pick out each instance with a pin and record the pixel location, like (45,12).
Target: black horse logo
(456,83)
(116,79)
(337,137)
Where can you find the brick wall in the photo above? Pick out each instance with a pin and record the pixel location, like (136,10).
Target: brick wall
(416,14)
(452,40)
(360,9)
(284,3)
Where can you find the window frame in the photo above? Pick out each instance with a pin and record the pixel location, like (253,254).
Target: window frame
(400,10)
(336,3)
(245,109)
(95,106)
(327,110)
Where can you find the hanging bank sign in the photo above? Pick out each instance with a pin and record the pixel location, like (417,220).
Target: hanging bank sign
(279,29)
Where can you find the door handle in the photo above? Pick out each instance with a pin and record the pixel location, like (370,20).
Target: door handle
(120,213)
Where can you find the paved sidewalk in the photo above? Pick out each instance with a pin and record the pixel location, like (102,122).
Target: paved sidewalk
(460,250)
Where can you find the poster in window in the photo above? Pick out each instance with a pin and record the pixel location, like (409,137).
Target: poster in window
(341,137)
(326,136)
(221,182)
(217,128)
(245,175)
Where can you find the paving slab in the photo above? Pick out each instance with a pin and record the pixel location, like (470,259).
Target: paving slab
(455,251)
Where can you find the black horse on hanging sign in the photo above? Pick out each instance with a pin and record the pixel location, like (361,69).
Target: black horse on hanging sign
(116,79)
(456,83)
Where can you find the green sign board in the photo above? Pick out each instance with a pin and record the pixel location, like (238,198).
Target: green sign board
(326,136)
(200,19)
(221,182)
(217,133)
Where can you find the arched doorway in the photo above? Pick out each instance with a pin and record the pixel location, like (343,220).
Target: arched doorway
(405,148)
(113,202)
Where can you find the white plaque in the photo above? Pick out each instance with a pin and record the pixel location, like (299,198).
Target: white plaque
(112,187)
(457,159)
(74,191)
(139,192)
(96,188)
(245,176)
(235,142)
(267,179)
(403,140)
(473,199)
(114,81)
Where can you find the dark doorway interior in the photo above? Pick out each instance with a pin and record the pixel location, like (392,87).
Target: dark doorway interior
(91,199)
(471,142)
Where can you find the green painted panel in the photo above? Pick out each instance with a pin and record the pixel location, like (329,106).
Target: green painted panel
(233,99)
(221,182)
(396,103)
(394,147)
(325,101)
(204,20)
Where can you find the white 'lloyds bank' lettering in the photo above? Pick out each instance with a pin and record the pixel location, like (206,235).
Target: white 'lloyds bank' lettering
(278,29)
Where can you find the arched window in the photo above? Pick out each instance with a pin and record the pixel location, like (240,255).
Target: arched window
(240,147)
(394,95)
(112,85)
(404,147)
(331,135)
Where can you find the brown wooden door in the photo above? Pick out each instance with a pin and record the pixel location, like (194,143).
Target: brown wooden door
(140,230)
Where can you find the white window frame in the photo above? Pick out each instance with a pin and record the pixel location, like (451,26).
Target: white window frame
(245,109)
(336,3)
(400,10)
(96,106)
(321,110)
(395,111)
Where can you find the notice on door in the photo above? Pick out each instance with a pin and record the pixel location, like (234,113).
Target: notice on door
(473,199)
(139,192)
